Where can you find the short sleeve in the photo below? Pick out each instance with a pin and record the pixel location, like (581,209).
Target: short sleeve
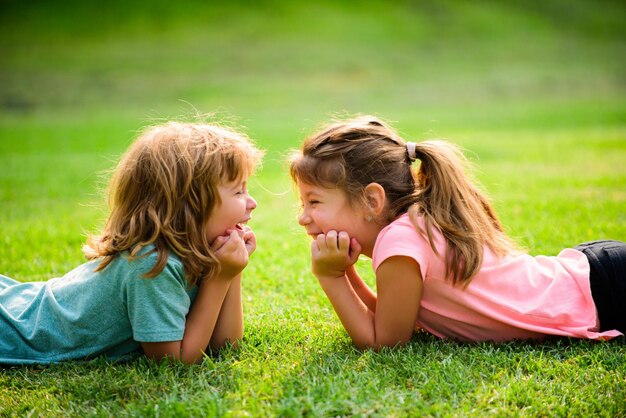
(401,238)
(157,307)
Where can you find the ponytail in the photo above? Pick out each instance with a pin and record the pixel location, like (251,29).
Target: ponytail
(449,202)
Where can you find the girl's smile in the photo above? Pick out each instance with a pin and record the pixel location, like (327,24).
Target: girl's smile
(325,209)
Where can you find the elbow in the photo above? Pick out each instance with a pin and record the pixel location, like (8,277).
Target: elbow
(190,360)
(225,344)
(229,342)
(374,347)
(171,359)
(364,345)
(377,345)
(191,356)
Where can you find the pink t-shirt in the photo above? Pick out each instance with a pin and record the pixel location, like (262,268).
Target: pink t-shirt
(516,297)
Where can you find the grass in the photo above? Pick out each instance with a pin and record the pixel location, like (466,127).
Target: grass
(534,92)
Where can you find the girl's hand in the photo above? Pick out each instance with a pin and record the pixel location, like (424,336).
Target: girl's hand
(332,253)
(232,253)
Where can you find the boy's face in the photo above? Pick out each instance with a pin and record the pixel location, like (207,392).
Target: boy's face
(326,209)
(234,210)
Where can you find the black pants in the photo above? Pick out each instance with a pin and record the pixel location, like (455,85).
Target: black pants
(608,281)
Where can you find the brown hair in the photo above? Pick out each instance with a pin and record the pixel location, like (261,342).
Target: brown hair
(164,190)
(354,153)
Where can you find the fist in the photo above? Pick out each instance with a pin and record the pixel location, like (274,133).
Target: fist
(332,253)
(232,252)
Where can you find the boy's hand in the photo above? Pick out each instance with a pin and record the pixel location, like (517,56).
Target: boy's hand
(332,253)
(249,239)
(232,252)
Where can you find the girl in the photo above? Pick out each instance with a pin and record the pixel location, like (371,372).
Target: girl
(164,277)
(441,258)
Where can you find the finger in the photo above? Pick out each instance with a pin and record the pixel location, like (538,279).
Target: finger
(343,241)
(355,250)
(247,234)
(232,242)
(218,242)
(236,235)
(250,247)
(321,242)
(250,241)
(331,239)
(239,232)
(314,247)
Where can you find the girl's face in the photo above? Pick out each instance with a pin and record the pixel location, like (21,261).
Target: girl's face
(235,209)
(326,209)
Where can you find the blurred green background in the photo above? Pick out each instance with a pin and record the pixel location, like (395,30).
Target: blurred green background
(286,65)
(535,90)
(532,89)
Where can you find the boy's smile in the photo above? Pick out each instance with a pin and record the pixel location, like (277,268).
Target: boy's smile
(234,210)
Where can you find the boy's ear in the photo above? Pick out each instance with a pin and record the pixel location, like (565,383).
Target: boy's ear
(375,197)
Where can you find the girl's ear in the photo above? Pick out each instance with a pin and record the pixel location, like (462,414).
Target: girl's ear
(375,197)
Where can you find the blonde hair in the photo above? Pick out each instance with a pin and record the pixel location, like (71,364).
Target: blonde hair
(164,190)
(354,153)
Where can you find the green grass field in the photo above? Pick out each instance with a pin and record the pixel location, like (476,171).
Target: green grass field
(534,91)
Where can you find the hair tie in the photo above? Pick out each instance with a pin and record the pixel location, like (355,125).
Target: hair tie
(410,149)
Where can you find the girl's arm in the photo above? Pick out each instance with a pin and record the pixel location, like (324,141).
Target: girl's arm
(204,313)
(399,284)
(364,292)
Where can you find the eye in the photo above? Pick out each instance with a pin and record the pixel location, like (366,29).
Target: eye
(313,202)
(242,190)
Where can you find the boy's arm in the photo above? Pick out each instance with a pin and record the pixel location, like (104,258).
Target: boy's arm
(229,326)
(203,317)
(199,325)
(204,313)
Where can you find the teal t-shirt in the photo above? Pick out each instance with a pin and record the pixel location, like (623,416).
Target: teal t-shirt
(85,314)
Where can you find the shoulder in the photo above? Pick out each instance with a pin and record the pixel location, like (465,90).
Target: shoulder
(143,262)
(400,232)
(148,256)
(400,238)
(401,226)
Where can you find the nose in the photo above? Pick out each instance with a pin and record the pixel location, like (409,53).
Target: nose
(304,218)
(251,204)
